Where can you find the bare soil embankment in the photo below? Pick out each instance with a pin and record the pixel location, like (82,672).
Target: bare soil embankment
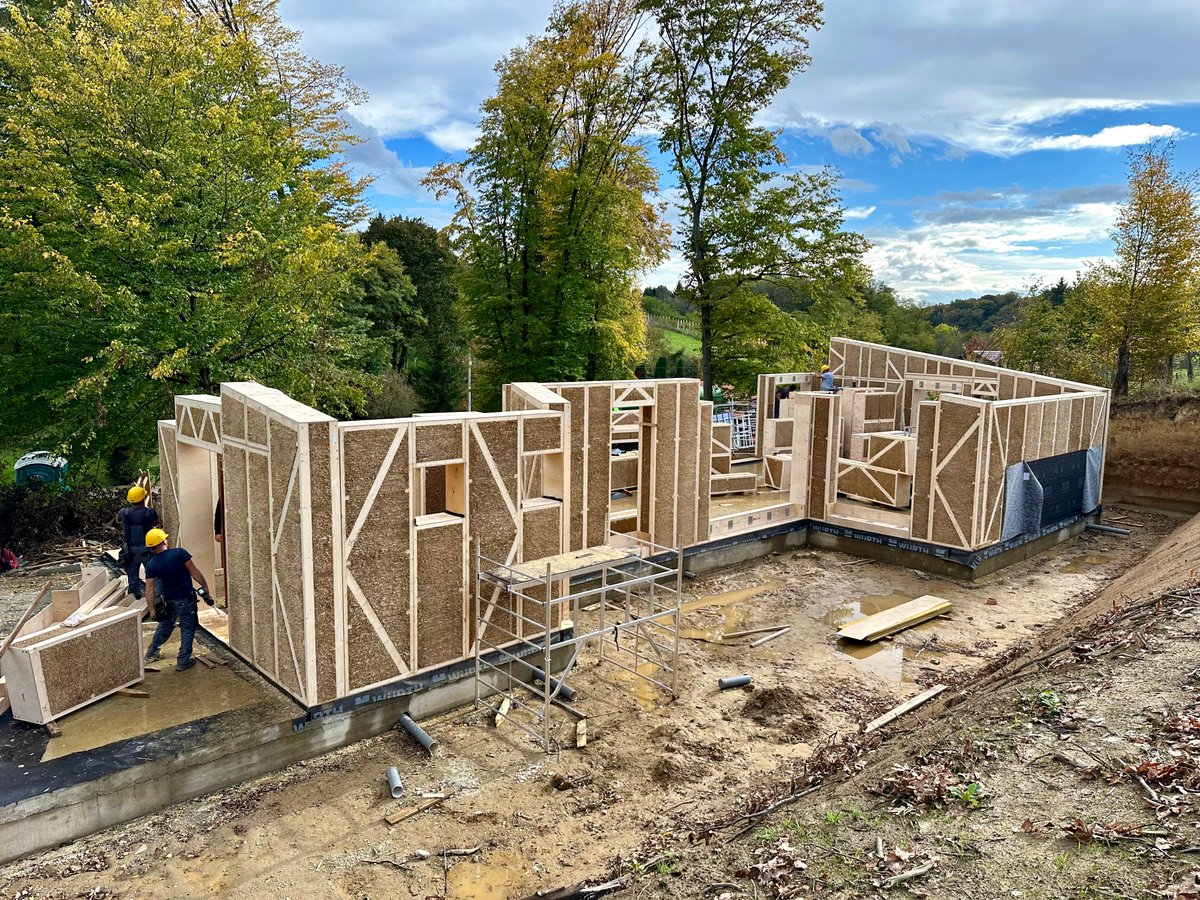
(1154,454)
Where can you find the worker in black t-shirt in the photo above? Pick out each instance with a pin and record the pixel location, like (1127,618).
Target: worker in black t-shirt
(169,576)
(136,519)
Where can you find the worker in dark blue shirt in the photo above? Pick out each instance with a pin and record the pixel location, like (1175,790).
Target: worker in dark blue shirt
(169,576)
(136,519)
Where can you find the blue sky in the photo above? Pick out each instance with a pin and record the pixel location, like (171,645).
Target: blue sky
(981,149)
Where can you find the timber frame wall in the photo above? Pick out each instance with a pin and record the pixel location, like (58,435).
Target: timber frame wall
(348,545)
(922,444)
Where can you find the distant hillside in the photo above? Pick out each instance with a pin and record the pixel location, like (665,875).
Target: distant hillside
(980,315)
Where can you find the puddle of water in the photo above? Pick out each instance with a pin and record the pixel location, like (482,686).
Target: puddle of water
(1084,564)
(884,659)
(494,876)
(861,607)
(175,698)
(728,598)
(728,606)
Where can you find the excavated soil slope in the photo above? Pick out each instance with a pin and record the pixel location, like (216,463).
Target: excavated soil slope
(1154,454)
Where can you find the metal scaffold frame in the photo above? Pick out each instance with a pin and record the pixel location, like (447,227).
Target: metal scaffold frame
(637,589)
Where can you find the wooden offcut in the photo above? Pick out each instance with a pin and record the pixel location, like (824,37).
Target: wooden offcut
(891,621)
(906,707)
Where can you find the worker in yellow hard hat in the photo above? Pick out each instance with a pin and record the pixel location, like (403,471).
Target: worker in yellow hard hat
(171,598)
(827,379)
(136,519)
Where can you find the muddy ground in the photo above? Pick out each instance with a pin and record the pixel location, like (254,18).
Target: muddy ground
(653,771)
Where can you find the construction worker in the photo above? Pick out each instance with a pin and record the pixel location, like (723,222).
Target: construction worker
(137,518)
(169,576)
(827,379)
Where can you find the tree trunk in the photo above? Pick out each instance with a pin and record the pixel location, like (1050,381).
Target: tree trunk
(1189,361)
(706,347)
(1120,386)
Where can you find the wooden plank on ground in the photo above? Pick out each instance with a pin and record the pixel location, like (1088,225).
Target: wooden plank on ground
(906,707)
(409,812)
(880,625)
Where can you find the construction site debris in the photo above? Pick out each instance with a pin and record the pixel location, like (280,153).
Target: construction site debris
(770,637)
(906,707)
(397,817)
(1108,529)
(395,785)
(891,621)
(419,734)
(732,681)
(136,693)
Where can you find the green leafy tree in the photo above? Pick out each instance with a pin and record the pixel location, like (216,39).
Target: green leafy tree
(744,220)
(380,304)
(552,221)
(1146,302)
(172,215)
(431,353)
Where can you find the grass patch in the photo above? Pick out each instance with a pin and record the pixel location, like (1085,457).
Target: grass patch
(677,341)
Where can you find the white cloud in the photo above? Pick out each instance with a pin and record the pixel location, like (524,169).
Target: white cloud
(372,157)
(1113,136)
(965,258)
(858,212)
(980,77)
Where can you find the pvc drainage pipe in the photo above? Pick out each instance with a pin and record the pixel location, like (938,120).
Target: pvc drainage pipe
(420,735)
(733,681)
(394,783)
(1107,529)
(564,690)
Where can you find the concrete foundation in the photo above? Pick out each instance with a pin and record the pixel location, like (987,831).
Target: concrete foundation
(44,804)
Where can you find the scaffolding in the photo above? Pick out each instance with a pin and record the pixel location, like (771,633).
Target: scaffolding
(528,616)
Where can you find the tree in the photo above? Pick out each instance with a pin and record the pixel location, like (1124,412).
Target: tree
(552,223)
(743,219)
(381,304)
(172,215)
(1146,301)
(431,354)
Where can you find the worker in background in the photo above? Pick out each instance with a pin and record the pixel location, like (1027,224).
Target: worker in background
(827,379)
(136,519)
(171,598)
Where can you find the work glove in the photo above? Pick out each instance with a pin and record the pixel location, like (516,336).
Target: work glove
(160,610)
(205,596)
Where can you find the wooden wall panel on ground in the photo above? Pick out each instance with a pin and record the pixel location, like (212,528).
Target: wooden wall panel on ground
(441,593)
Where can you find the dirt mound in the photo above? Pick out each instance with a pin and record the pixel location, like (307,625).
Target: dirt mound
(1175,563)
(1152,459)
(784,709)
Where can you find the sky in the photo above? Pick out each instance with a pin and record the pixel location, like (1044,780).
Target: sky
(981,147)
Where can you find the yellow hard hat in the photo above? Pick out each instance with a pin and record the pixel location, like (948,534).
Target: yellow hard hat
(136,494)
(155,536)
(824,368)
